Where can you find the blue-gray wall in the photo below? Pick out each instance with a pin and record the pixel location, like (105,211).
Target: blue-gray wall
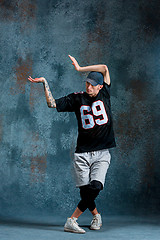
(37,143)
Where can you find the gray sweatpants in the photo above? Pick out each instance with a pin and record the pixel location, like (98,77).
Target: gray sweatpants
(91,166)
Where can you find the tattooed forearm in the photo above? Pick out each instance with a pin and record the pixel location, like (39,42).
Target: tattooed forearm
(50,100)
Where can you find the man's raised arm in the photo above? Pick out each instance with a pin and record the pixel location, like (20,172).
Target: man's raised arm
(95,68)
(49,98)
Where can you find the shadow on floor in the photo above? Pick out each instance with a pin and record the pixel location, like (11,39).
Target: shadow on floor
(35,225)
(109,223)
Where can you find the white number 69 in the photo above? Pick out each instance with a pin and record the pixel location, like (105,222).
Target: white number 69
(98,109)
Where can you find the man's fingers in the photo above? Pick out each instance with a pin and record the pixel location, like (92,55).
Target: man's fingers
(30,79)
(72,58)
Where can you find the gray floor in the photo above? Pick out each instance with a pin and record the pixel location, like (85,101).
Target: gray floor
(126,228)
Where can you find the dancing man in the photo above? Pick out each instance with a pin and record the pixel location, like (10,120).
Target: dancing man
(95,137)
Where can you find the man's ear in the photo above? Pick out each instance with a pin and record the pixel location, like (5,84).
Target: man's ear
(100,87)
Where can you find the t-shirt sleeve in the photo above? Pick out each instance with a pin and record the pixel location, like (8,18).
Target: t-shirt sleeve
(66,104)
(106,89)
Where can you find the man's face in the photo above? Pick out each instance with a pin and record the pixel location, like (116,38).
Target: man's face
(91,90)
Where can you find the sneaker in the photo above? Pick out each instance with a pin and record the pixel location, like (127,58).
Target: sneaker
(72,226)
(96,222)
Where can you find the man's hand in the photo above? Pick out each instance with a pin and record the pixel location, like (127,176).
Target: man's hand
(37,80)
(75,63)
(50,100)
(96,68)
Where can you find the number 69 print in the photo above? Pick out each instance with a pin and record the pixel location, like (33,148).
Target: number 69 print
(98,109)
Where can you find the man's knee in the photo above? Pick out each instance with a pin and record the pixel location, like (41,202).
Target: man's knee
(96,185)
(91,191)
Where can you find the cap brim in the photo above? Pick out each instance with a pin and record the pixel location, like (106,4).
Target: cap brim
(92,82)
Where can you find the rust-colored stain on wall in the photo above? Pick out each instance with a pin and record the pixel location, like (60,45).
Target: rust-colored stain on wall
(22,70)
(134,125)
(7,9)
(38,168)
(21,11)
(38,163)
(27,12)
(139,88)
(27,9)
(91,51)
(98,34)
(131,125)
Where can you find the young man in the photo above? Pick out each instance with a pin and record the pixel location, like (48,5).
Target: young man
(95,137)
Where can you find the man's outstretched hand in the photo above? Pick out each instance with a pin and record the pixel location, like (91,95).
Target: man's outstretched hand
(37,80)
(74,62)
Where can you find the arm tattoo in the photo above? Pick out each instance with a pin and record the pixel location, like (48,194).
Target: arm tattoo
(50,100)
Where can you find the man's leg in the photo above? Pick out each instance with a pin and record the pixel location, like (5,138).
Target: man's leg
(96,223)
(98,170)
(77,213)
(94,212)
(82,169)
(88,192)
(88,195)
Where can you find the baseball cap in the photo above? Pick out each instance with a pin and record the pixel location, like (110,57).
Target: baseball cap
(95,78)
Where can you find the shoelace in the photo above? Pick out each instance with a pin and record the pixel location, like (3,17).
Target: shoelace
(95,220)
(74,220)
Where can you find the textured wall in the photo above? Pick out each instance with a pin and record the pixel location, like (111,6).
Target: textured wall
(37,143)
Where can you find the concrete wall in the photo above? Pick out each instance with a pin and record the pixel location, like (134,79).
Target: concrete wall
(37,143)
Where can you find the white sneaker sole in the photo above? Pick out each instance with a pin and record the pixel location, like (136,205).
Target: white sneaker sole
(96,228)
(73,231)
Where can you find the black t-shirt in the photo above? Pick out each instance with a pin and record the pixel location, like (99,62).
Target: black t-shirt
(95,126)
